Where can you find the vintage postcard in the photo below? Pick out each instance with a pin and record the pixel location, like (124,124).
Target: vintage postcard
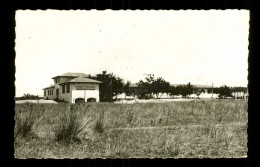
(131,84)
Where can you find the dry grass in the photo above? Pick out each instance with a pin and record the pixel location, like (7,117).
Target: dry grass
(175,129)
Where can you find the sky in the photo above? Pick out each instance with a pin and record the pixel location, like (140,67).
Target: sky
(201,47)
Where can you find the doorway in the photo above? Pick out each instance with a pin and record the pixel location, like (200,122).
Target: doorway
(57,93)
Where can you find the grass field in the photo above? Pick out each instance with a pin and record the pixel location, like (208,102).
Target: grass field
(144,130)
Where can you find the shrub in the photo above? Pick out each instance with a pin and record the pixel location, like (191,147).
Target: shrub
(70,126)
(172,151)
(24,123)
(99,127)
(99,123)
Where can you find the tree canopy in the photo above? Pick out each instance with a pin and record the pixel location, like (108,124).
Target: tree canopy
(224,92)
(152,85)
(111,86)
(127,89)
(185,90)
(28,96)
(159,85)
(174,90)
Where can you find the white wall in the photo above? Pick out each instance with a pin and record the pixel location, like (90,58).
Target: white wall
(85,94)
(88,93)
(73,94)
(93,85)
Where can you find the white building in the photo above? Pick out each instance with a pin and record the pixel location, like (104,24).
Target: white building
(71,87)
(240,95)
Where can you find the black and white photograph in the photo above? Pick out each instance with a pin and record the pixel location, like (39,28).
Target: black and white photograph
(131,84)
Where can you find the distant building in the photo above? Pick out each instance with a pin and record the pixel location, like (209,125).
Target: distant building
(206,88)
(71,87)
(240,95)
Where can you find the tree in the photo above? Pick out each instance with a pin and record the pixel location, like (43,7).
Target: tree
(145,88)
(173,91)
(148,84)
(159,85)
(182,89)
(186,90)
(152,86)
(28,96)
(149,78)
(127,89)
(224,92)
(117,85)
(111,86)
(178,89)
(189,88)
(238,89)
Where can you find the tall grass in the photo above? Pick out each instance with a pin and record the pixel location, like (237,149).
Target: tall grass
(23,125)
(98,129)
(25,120)
(99,126)
(71,124)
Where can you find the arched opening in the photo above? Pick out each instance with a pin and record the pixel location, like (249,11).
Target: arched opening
(92,99)
(79,100)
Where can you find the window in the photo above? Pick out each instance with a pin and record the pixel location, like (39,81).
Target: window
(57,80)
(68,88)
(63,88)
(45,93)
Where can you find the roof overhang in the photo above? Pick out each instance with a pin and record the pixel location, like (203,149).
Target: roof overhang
(73,76)
(63,83)
(48,87)
(64,76)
